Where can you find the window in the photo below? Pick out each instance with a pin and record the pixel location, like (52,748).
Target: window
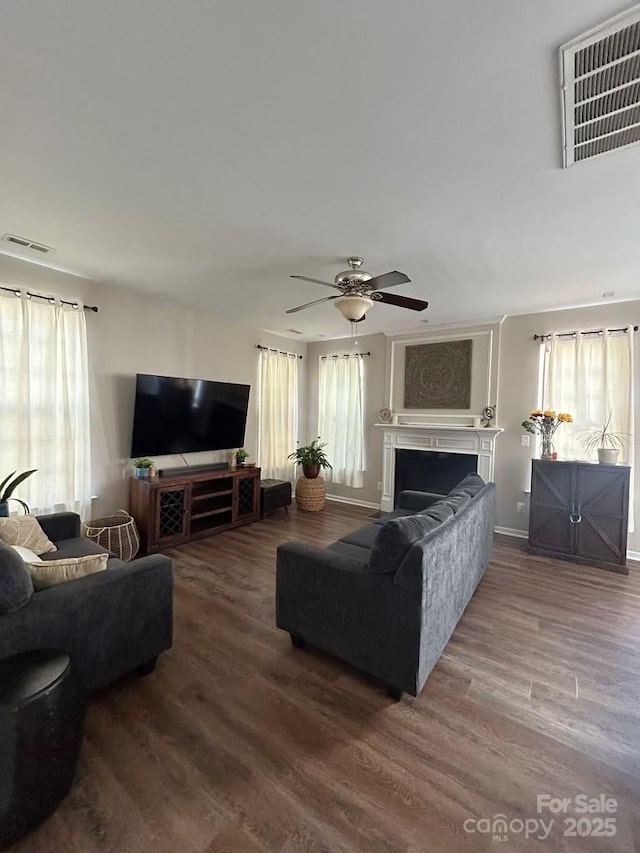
(277,413)
(341,417)
(44,403)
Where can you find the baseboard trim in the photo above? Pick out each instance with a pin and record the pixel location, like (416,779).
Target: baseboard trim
(512,531)
(633,555)
(339,499)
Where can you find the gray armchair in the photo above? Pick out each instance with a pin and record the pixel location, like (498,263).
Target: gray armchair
(110,623)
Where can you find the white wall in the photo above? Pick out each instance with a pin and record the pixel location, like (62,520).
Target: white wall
(134,333)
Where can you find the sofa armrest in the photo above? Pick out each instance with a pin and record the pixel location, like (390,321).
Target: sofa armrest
(296,554)
(335,603)
(60,525)
(417,501)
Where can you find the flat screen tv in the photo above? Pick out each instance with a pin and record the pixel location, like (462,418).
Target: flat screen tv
(187,415)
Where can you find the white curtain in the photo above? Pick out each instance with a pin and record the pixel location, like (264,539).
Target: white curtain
(341,417)
(591,376)
(44,403)
(277,413)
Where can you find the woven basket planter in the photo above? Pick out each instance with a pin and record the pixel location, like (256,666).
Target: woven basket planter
(117,533)
(310,494)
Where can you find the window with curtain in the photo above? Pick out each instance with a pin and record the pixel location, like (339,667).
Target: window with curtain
(590,376)
(341,418)
(44,403)
(277,413)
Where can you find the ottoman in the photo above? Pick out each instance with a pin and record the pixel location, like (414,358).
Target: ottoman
(41,727)
(274,494)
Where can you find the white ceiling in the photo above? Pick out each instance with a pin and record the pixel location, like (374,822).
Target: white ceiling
(206,150)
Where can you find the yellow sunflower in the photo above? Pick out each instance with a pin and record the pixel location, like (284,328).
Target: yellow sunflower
(549,413)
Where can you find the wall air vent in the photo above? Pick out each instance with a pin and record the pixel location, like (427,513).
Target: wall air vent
(600,80)
(24,243)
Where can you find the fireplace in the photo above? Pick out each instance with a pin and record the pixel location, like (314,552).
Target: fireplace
(431,471)
(449,453)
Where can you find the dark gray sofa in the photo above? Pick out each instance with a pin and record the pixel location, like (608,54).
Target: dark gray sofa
(386,597)
(110,623)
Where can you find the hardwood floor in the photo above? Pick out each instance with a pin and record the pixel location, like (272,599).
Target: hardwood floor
(239,742)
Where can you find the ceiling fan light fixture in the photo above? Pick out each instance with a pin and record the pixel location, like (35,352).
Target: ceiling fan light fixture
(353,308)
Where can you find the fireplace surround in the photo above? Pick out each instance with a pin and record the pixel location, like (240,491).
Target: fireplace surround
(429,438)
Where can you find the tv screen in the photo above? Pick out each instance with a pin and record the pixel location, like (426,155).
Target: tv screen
(187,415)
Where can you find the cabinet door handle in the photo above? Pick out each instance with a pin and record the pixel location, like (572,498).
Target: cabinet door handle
(575,516)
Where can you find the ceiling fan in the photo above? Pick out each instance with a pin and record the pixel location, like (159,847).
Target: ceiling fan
(358,290)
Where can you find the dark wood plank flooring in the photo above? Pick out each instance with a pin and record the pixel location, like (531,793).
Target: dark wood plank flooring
(239,742)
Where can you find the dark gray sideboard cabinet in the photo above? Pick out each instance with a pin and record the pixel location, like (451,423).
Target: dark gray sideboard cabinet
(579,511)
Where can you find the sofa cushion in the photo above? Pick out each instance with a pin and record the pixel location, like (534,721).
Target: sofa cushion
(16,586)
(457,500)
(471,484)
(389,516)
(441,511)
(364,537)
(354,552)
(25,530)
(79,547)
(396,538)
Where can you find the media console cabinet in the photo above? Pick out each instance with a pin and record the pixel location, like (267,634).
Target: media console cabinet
(178,508)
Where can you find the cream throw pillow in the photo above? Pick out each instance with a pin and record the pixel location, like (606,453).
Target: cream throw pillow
(26,532)
(48,573)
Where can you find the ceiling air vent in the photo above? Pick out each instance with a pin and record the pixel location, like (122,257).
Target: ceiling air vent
(24,243)
(600,79)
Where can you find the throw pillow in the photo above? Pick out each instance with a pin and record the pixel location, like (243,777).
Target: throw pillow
(26,532)
(48,573)
(16,587)
(27,555)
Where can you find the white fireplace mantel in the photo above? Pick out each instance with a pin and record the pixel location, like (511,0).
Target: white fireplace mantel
(477,441)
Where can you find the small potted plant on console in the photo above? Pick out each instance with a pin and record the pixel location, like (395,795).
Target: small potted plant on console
(605,441)
(142,466)
(241,457)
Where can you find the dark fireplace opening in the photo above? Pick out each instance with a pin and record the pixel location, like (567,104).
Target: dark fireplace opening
(431,471)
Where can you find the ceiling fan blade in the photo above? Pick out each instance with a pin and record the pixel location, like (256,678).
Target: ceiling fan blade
(387,279)
(314,280)
(403,301)
(315,302)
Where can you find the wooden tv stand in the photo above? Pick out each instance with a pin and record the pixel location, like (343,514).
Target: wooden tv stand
(176,509)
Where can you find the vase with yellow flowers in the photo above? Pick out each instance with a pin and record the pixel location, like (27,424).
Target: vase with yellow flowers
(545,423)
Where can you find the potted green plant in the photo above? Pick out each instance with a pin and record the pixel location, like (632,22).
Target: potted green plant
(605,441)
(312,458)
(142,466)
(241,455)
(8,487)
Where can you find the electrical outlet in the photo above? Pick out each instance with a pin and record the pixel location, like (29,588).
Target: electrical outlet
(525,440)
(521,506)
(380,485)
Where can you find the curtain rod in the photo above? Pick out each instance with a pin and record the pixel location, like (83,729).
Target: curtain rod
(592,332)
(282,352)
(50,299)
(347,355)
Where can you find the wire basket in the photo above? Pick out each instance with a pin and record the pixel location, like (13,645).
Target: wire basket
(117,533)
